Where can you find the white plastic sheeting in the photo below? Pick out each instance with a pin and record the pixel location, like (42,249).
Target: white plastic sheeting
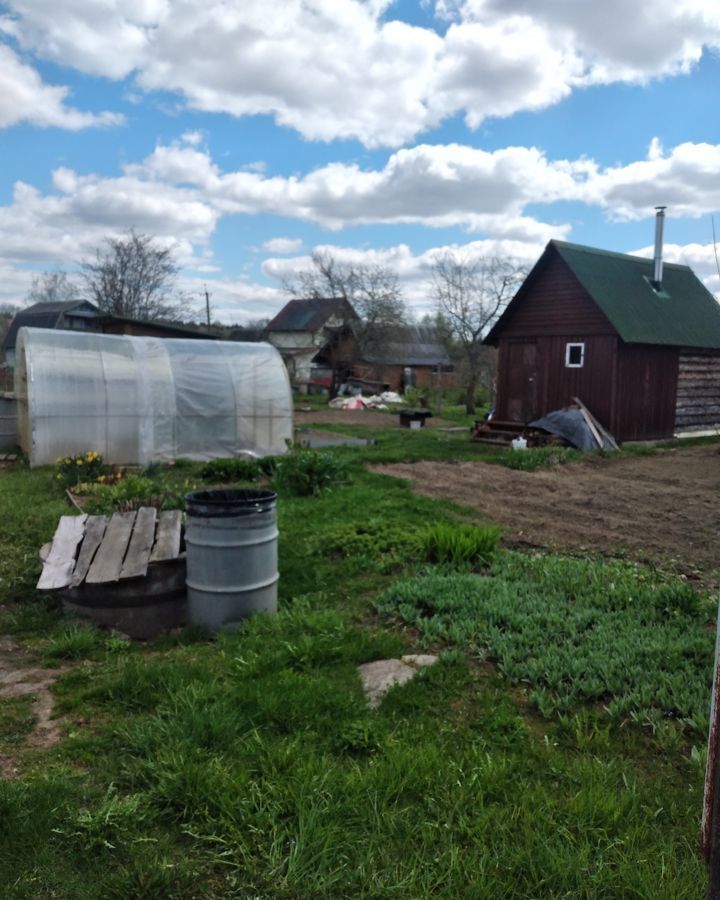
(140,399)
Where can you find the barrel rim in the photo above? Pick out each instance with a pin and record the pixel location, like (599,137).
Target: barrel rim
(224,502)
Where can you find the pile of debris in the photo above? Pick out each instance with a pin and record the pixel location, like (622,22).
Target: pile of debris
(574,425)
(376,401)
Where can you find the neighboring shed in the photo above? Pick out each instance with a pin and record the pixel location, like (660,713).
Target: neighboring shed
(75,315)
(140,399)
(313,338)
(413,353)
(81,315)
(642,353)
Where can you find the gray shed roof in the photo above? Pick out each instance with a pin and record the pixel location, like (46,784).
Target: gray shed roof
(411,346)
(45,315)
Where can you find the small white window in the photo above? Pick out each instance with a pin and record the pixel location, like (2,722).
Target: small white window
(574,356)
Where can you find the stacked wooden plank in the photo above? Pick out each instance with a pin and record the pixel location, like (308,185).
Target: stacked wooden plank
(92,550)
(502,434)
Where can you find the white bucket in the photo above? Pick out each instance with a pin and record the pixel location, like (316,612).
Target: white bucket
(519,443)
(415,424)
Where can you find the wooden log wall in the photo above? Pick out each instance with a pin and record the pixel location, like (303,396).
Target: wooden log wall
(698,391)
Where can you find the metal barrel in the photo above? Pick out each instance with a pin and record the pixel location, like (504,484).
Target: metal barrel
(231,542)
(8,423)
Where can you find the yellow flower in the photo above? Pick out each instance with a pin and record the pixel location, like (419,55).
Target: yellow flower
(101,478)
(79,462)
(59,477)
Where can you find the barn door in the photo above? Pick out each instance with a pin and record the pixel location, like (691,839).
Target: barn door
(522,381)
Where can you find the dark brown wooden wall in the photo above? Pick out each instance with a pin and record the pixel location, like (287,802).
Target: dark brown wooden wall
(698,390)
(555,310)
(646,387)
(555,304)
(527,391)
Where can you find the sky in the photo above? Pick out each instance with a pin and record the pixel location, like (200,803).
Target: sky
(244,134)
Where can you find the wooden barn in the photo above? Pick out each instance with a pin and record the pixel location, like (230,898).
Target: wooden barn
(637,341)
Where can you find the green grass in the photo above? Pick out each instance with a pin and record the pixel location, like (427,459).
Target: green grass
(459,544)
(250,766)
(574,631)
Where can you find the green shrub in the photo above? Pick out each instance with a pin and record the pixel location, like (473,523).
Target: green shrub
(608,633)
(268,464)
(73,642)
(459,544)
(79,467)
(379,543)
(305,473)
(226,470)
(131,492)
(537,457)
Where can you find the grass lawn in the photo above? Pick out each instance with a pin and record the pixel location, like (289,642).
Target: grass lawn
(556,750)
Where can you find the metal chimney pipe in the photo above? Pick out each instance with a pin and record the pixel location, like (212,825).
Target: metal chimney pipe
(659,224)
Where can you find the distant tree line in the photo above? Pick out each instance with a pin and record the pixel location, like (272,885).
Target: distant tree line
(134,276)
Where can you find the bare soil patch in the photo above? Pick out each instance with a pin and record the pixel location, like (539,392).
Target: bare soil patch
(661,509)
(19,678)
(371,418)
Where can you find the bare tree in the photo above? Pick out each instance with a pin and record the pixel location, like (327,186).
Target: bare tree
(134,276)
(373,310)
(52,287)
(470,296)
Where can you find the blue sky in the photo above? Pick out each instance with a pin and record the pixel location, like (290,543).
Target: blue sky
(246,134)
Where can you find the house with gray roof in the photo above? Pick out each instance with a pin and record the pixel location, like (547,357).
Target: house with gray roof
(637,340)
(317,338)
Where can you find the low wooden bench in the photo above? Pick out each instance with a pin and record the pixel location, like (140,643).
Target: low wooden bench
(127,572)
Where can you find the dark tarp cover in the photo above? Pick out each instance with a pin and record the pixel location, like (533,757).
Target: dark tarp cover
(571,425)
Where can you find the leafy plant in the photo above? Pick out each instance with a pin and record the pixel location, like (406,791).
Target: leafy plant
(80,467)
(459,544)
(73,642)
(226,470)
(377,542)
(573,630)
(305,473)
(539,457)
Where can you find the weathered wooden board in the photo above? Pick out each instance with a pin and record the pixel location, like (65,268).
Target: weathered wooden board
(58,569)
(109,558)
(141,544)
(167,545)
(94,531)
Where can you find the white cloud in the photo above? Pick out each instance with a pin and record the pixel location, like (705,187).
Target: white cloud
(346,69)
(414,270)
(686,179)
(700,257)
(616,40)
(282,245)
(437,186)
(24,97)
(194,138)
(179,193)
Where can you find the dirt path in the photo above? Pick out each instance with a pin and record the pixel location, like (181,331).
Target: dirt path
(662,508)
(18,678)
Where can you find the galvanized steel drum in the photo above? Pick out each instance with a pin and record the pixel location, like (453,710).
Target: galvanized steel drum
(231,541)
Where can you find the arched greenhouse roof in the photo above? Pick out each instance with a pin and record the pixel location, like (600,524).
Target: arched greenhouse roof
(142,399)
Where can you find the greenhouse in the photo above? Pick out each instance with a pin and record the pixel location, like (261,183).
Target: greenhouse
(138,400)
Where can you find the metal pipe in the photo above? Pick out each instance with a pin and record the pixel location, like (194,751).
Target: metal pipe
(659,223)
(710,828)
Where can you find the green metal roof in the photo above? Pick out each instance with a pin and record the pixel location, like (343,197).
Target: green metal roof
(683,313)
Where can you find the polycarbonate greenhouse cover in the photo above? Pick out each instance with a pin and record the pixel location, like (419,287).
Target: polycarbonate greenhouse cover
(141,399)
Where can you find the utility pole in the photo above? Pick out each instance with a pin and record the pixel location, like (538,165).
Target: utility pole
(207,305)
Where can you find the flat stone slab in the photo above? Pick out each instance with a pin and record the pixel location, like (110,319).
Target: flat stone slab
(379,676)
